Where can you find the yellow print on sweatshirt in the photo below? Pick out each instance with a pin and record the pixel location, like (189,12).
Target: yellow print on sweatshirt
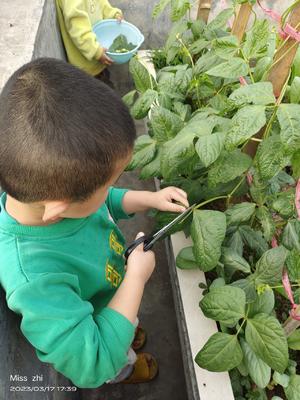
(114,244)
(112,275)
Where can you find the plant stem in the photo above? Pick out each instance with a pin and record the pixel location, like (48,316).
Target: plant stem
(281,286)
(278,102)
(247,61)
(186,49)
(255,139)
(209,201)
(233,191)
(244,320)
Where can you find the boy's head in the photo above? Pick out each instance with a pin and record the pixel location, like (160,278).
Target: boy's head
(63,134)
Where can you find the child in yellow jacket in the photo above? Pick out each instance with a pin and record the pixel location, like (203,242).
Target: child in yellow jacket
(76,18)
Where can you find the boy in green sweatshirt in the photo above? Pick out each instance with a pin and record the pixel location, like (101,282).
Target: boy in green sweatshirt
(76,18)
(65,138)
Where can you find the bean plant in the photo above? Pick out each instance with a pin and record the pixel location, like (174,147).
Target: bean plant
(216,130)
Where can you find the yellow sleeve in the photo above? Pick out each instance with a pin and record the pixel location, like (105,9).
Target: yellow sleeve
(80,30)
(108,10)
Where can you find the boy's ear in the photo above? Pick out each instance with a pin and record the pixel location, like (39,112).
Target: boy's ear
(53,209)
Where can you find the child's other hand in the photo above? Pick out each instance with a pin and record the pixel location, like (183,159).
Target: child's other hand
(162,200)
(104,59)
(119,18)
(140,263)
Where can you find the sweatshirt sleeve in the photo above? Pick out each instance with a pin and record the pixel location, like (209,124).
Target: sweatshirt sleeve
(114,203)
(108,10)
(88,349)
(80,30)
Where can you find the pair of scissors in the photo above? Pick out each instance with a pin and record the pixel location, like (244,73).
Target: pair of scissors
(150,240)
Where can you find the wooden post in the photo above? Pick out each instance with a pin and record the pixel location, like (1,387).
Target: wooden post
(204,9)
(280,71)
(241,20)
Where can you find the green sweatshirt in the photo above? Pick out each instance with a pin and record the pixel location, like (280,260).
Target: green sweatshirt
(76,18)
(60,278)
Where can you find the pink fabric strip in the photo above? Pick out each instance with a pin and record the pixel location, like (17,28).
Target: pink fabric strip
(289,292)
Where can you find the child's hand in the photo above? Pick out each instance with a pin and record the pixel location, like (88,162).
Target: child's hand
(119,18)
(140,263)
(104,59)
(162,200)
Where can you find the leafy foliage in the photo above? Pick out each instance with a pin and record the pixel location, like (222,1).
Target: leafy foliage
(209,101)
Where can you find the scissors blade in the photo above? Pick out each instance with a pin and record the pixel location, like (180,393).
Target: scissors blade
(157,235)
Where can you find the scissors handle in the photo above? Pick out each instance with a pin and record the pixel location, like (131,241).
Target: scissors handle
(138,241)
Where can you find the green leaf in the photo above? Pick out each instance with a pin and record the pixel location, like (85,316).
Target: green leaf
(259,371)
(239,213)
(183,110)
(248,286)
(228,166)
(221,352)
(260,93)
(231,259)
(289,119)
(144,151)
(267,223)
(129,97)
(179,8)
(266,338)
(233,68)
(291,235)
(165,124)
(177,29)
(295,91)
(197,46)
(293,265)
(208,232)
(197,28)
(294,340)
(270,157)
(264,303)
(152,169)
(183,79)
(281,379)
(220,21)
(159,7)
(235,242)
(201,127)
(209,147)
(185,259)
(226,47)
(256,43)
(269,266)
(205,62)
(284,203)
(143,80)
(261,68)
(296,164)
(253,239)
(225,304)
(246,123)
(142,105)
(293,390)
(175,152)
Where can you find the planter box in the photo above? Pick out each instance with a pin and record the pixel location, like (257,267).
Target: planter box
(194,328)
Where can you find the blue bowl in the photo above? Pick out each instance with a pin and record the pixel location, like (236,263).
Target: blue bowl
(108,29)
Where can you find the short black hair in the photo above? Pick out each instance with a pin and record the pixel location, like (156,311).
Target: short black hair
(61,133)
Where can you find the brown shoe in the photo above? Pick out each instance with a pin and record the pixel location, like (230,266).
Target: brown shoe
(140,338)
(144,370)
